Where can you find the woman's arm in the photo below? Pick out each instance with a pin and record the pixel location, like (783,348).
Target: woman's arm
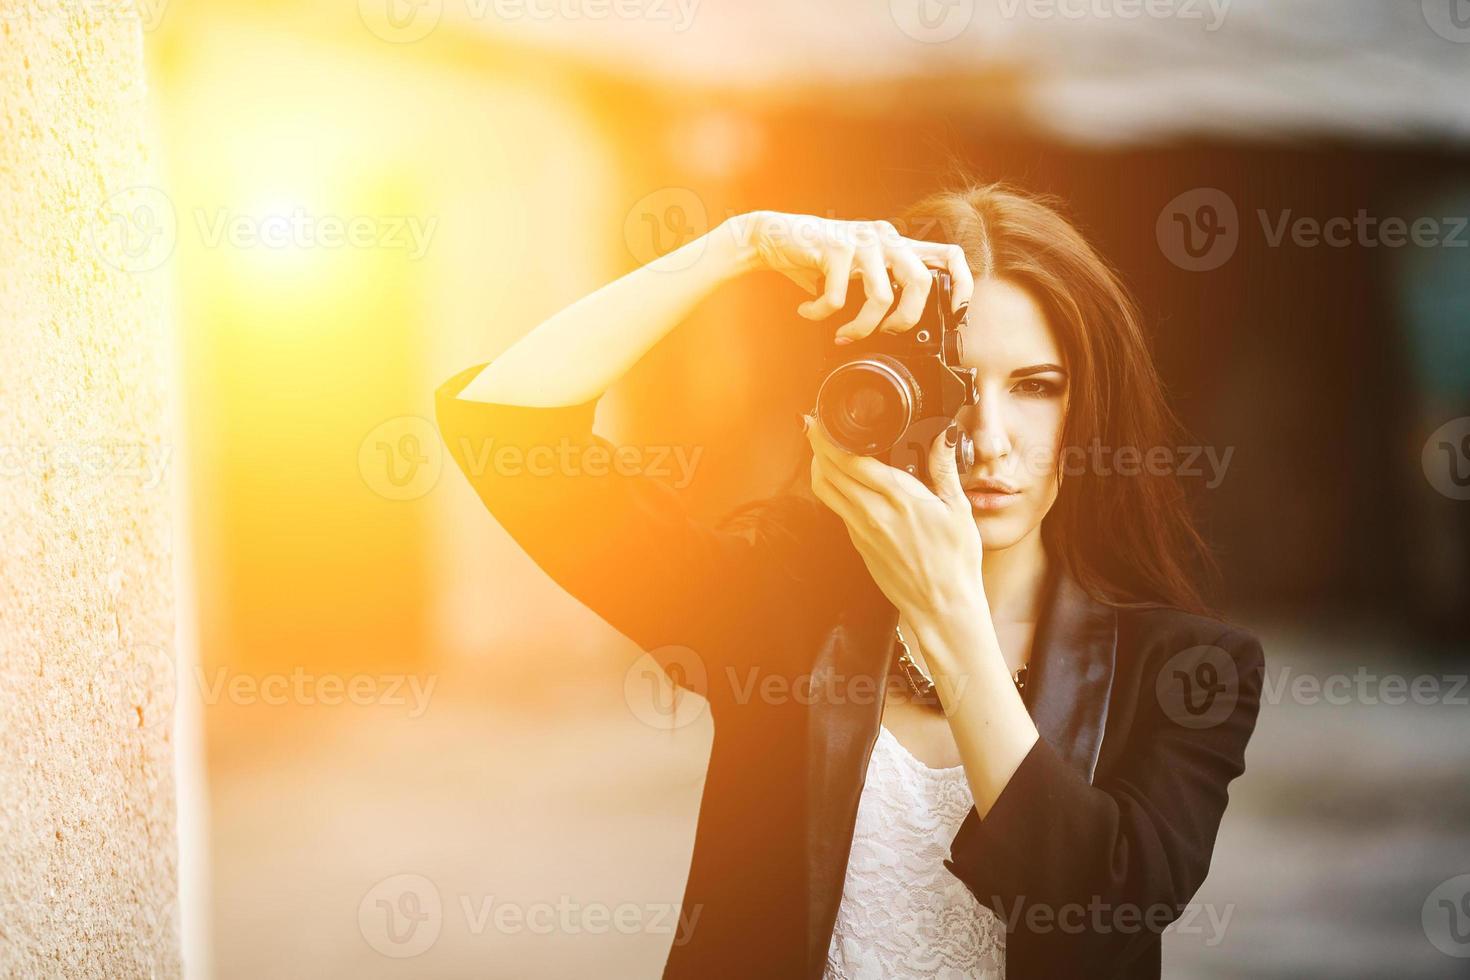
(577,354)
(923,550)
(1093,873)
(620,539)
(617,537)
(992,728)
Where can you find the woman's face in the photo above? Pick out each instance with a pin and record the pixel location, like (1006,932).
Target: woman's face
(1017,423)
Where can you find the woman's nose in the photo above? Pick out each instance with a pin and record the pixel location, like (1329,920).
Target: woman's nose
(988,429)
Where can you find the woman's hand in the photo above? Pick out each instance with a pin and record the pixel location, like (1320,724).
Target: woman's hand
(823,255)
(923,550)
(921,547)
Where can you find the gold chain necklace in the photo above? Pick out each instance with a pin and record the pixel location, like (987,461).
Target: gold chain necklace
(920,680)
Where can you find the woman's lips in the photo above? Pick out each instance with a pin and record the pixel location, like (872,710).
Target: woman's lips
(985,498)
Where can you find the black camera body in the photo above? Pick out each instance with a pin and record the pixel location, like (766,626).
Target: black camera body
(890,395)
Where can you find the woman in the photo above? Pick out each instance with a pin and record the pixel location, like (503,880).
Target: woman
(1041,797)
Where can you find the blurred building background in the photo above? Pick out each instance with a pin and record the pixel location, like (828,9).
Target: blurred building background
(501,159)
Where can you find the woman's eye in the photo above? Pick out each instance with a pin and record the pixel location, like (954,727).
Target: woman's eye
(1038,387)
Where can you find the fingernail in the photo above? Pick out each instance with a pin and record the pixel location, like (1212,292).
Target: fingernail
(802,421)
(842,341)
(952,435)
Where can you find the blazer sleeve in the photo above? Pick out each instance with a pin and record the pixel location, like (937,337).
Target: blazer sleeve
(1084,874)
(601,521)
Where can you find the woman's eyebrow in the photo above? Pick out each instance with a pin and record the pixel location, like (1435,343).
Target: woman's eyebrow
(1026,372)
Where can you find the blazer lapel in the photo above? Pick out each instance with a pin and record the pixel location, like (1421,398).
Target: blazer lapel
(1070,679)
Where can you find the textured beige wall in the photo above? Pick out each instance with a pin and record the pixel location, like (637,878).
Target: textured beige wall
(87,837)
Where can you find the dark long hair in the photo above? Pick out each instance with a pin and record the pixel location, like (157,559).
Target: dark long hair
(1127,540)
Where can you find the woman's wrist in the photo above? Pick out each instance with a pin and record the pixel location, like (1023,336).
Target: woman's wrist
(733,244)
(954,633)
(948,607)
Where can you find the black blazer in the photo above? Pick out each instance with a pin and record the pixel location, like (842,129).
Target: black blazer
(1101,837)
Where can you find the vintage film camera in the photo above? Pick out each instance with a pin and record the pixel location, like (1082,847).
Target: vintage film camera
(890,395)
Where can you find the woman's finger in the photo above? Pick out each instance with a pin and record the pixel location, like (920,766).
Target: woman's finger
(896,486)
(871,503)
(872,267)
(837,267)
(915,280)
(875,476)
(943,469)
(828,493)
(951,258)
(806,279)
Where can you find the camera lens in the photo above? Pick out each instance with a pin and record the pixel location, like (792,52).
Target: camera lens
(866,405)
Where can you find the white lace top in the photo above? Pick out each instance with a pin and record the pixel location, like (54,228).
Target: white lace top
(903,914)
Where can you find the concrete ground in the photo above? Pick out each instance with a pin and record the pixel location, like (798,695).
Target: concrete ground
(481,840)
